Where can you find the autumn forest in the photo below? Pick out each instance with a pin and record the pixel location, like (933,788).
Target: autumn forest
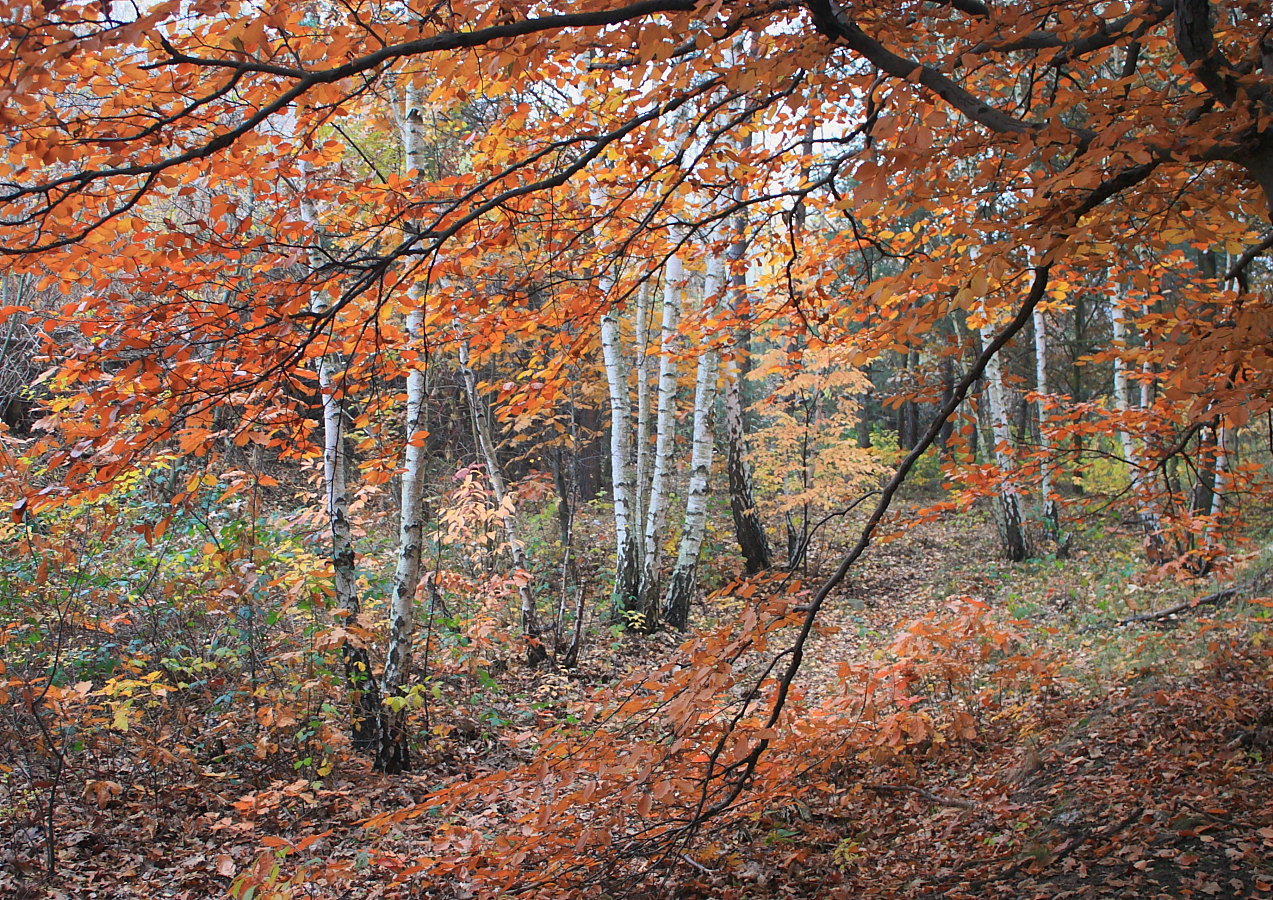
(654,449)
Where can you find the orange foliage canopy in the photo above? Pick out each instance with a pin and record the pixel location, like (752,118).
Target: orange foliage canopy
(156,160)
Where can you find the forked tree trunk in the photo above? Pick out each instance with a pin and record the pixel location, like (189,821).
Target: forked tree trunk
(664,441)
(681,583)
(531,630)
(1008,517)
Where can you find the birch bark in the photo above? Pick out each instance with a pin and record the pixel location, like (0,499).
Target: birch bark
(681,582)
(665,438)
(1008,513)
(627,576)
(365,712)
(394,752)
(1046,486)
(645,300)
(1224,440)
(1146,512)
(627,548)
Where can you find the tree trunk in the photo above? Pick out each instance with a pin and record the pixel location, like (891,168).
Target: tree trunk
(394,754)
(627,577)
(1225,440)
(947,391)
(681,583)
(1012,534)
(664,441)
(1203,491)
(1146,511)
(748,528)
(589,454)
(364,695)
(1077,355)
(641,495)
(1051,516)
(564,465)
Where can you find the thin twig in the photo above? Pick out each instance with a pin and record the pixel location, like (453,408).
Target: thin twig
(1158,614)
(1209,600)
(697,865)
(936,799)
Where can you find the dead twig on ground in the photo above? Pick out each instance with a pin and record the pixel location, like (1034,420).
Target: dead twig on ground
(936,799)
(1158,615)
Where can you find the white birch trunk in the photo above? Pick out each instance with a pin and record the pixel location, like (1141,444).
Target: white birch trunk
(641,492)
(665,438)
(1224,444)
(1046,485)
(365,697)
(1118,326)
(394,755)
(1146,511)
(1011,527)
(681,583)
(622,476)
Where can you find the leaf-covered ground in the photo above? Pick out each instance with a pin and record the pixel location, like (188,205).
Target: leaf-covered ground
(1139,764)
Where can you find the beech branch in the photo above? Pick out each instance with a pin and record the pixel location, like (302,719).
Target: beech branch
(1197,45)
(1132,26)
(57,190)
(971,7)
(832,20)
(1249,255)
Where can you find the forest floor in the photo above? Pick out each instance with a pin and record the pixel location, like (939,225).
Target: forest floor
(1144,770)
(1141,767)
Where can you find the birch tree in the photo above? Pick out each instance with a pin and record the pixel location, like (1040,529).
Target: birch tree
(1224,439)
(1146,511)
(681,582)
(1046,483)
(394,751)
(645,299)
(365,718)
(665,437)
(1008,517)
(628,567)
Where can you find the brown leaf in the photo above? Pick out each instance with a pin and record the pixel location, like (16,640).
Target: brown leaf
(102,792)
